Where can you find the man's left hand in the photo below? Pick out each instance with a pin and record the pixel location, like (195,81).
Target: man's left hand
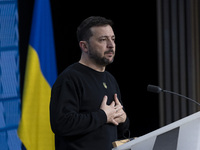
(122,117)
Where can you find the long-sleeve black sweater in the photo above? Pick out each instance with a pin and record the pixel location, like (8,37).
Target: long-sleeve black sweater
(75,114)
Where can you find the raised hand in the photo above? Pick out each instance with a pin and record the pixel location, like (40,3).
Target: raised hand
(114,113)
(121,118)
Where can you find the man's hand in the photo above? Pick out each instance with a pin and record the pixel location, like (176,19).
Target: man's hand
(122,117)
(114,111)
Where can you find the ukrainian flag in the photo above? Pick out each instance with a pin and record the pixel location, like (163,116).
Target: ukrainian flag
(34,128)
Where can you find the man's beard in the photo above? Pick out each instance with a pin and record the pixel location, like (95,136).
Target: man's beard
(103,61)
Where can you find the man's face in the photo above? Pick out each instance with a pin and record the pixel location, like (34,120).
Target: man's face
(102,45)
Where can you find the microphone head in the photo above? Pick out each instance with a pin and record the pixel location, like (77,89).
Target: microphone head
(154,89)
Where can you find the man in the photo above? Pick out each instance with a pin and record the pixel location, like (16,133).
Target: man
(85,109)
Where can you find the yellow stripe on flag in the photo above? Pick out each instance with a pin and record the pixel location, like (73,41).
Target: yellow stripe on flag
(34,129)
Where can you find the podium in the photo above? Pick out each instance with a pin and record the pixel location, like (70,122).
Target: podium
(183,134)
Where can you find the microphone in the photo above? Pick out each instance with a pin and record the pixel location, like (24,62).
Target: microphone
(157,89)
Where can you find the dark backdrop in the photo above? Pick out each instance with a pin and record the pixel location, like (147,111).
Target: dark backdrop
(135,64)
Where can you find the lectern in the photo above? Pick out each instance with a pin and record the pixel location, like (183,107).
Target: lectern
(183,134)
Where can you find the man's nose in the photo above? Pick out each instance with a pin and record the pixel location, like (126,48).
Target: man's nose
(111,43)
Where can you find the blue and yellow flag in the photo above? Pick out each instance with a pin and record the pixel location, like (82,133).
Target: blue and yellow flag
(34,128)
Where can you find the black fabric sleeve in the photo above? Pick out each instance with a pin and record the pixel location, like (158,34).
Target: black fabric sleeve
(65,118)
(123,129)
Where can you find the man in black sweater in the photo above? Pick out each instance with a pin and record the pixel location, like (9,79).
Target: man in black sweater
(86,111)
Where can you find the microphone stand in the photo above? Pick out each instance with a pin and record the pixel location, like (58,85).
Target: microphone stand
(157,89)
(166,91)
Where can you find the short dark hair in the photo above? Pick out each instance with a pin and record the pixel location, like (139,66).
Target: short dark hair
(83,30)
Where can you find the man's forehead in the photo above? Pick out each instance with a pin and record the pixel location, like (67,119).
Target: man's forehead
(102,30)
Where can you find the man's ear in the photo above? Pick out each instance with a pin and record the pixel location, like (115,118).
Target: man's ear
(84,46)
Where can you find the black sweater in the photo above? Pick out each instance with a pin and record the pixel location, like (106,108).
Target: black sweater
(75,114)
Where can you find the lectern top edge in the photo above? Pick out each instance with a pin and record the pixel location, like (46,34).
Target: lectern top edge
(157,132)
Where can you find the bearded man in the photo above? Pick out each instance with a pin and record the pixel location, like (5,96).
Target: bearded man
(86,111)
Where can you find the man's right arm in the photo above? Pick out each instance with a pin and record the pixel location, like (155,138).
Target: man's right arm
(64,112)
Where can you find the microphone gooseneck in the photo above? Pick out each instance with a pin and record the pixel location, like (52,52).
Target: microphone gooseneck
(157,89)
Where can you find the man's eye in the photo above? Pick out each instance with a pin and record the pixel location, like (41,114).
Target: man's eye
(102,39)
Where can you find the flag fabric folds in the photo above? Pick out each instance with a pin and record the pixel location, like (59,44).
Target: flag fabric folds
(41,72)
